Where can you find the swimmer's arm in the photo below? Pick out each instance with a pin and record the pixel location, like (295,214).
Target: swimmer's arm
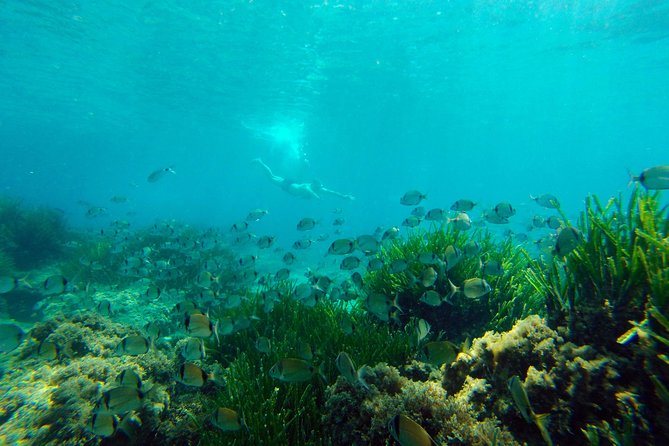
(313,194)
(337,194)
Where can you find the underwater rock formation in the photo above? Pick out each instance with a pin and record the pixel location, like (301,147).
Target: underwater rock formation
(51,401)
(359,417)
(577,386)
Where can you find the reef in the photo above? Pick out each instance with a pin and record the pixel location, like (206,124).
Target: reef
(356,416)
(577,386)
(51,402)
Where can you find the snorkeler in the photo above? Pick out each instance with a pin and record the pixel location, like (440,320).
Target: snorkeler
(304,190)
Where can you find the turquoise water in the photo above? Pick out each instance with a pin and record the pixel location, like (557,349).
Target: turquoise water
(488,100)
(492,101)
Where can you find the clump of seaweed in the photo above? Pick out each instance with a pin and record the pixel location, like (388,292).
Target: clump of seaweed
(511,297)
(279,413)
(32,236)
(620,266)
(617,276)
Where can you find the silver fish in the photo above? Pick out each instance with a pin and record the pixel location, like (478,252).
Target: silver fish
(55,285)
(411,221)
(472,288)
(461,222)
(412,198)
(375,264)
(265,241)
(11,336)
(133,345)
(302,244)
(547,201)
(289,258)
(463,205)
(398,266)
(436,214)
(306,224)
(653,178)
(418,211)
(342,246)
(553,222)
(367,244)
(567,240)
(391,233)
(409,433)
(431,298)
(349,263)
(193,350)
(256,214)
(504,210)
(158,174)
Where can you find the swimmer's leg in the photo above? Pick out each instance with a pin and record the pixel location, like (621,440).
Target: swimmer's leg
(275,178)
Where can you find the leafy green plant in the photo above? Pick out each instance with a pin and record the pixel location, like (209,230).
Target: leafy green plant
(620,267)
(511,297)
(32,236)
(618,276)
(290,413)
